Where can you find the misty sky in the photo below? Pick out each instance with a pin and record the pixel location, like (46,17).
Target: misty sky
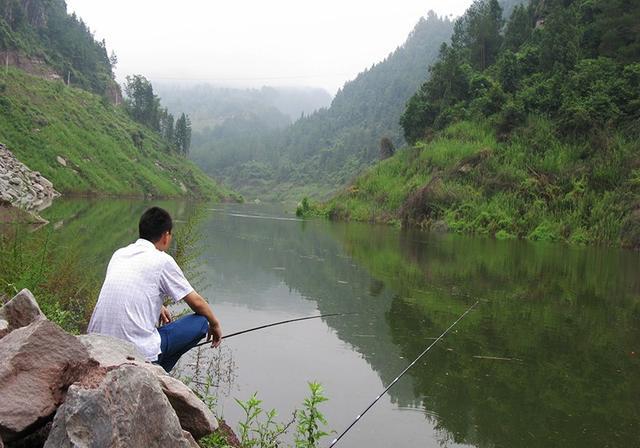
(254,42)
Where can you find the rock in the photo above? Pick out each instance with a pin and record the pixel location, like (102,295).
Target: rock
(21,311)
(4,328)
(187,435)
(110,352)
(229,435)
(194,415)
(22,187)
(128,409)
(61,161)
(39,362)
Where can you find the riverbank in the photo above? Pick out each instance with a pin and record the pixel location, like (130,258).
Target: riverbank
(85,145)
(535,187)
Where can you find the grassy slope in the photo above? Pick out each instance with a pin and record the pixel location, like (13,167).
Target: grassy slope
(533,187)
(40,120)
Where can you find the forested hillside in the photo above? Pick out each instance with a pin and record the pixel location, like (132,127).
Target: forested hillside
(57,112)
(85,145)
(324,150)
(41,31)
(529,128)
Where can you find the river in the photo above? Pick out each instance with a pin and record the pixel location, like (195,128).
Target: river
(548,358)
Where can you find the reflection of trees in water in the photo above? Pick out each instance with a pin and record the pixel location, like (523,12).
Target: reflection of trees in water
(92,229)
(315,266)
(571,315)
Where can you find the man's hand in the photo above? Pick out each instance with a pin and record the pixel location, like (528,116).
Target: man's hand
(214,334)
(165,316)
(200,306)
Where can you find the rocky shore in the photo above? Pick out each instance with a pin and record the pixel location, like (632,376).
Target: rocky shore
(60,390)
(21,187)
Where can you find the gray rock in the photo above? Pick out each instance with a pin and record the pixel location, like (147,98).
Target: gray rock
(61,161)
(110,352)
(188,436)
(194,415)
(21,311)
(4,328)
(127,409)
(39,362)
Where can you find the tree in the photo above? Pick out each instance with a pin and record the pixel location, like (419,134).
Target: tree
(183,134)
(518,29)
(386,148)
(167,125)
(141,103)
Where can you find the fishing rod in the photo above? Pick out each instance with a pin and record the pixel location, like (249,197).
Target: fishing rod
(335,441)
(275,324)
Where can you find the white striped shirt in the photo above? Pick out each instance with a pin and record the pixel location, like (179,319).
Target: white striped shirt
(138,278)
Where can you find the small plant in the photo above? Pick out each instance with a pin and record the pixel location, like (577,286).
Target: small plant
(303,208)
(255,432)
(308,432)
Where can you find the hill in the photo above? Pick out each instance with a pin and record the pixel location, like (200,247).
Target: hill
(85,145)
(324,150)
(524,130)
(40,37)
(57,92)
(210,106)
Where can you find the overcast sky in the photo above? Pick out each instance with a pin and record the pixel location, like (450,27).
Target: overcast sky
(254,42)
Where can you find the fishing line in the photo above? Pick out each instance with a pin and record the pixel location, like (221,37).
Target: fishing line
(401,374)
(275,324)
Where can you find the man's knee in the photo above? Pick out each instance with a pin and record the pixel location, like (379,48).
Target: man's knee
(199,322)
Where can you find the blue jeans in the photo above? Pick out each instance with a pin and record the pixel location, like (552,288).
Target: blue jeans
(180,336)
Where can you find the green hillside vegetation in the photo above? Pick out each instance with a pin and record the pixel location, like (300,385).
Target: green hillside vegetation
(105,151)
(42,29)
(324,150)
(524,129)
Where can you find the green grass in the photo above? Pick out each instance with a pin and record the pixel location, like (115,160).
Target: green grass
(534,186)
(41,120)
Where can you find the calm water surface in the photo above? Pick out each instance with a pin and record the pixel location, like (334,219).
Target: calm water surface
(549,358)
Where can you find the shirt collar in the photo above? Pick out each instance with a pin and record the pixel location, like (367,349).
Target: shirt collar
(145,243)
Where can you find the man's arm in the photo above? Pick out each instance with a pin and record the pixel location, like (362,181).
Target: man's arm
(200,306)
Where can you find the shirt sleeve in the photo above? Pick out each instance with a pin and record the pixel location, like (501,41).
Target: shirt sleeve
(173,282)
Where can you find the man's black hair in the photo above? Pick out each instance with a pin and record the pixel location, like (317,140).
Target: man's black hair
(153,223)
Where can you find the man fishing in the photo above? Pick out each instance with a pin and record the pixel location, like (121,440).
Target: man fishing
(130,304)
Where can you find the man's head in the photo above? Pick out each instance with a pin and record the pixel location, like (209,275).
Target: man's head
(155,226)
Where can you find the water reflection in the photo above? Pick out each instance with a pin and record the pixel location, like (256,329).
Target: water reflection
(549,358)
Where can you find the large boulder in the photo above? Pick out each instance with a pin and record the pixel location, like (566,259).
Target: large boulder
(126,409)
(20,311)
(110,352)
(39,362)
(194,415)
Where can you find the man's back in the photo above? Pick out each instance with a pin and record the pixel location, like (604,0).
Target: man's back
(138,278)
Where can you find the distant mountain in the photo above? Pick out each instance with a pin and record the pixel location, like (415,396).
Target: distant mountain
(210,106)
(330,146)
